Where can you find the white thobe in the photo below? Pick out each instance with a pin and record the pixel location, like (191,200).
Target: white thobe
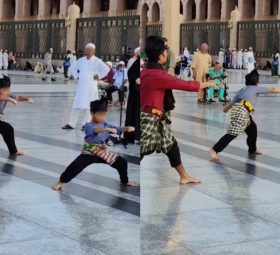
(240,59)
(221,57)
(5,60)
(87,89)
(1,60)
(250,61)
(234,59)
(244,60)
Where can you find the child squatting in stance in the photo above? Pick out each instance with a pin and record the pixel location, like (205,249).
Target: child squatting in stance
(242,106)
(6,130)
(97,133)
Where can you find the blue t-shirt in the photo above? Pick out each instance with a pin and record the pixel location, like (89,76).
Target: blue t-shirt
(249,93)
(93,138)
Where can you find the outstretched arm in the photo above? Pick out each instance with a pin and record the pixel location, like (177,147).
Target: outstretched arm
(24,99)
(273,90)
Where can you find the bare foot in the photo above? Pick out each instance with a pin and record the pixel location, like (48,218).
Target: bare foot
(19,153)
(58,186)
(131,184)
(188,179)
(257,153)
(214,156)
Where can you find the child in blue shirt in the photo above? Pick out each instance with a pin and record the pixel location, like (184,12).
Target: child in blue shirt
(242,107)
(97,133)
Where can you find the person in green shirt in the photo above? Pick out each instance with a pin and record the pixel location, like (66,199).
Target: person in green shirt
(216,74)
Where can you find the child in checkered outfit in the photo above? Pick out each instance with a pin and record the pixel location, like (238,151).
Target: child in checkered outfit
(242,107)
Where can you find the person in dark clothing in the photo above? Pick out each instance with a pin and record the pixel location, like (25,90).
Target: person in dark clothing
(6,130)
(67,63)
(97,134)
(133,103)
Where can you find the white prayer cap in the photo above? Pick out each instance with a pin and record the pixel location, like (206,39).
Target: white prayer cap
(109,63)
(121,63)
(51,49)
(90,46)
(138,49)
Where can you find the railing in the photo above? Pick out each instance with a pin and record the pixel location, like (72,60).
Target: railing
(31,39)
(216,34)
(263,36)
(113,36)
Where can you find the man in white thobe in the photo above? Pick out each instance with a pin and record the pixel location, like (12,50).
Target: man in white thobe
(240,59)
(90,69)
(221,57)
(5,60)
(234,59)
(250,60)
(134,58)
(1,59)
(48,65)
(245,59)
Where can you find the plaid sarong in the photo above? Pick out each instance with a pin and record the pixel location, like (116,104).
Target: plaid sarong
(155,135)
(101,151)
(239,120)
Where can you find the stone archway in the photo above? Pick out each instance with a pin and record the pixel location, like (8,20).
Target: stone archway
(144,21)
(191,10)
(271,7)
(249,9)
(155,13)
(9,9)
(203,8)
(215,9)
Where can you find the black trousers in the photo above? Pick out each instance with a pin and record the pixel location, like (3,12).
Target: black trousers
(7,131)
(82,161)
(66,71)
(252,133)
(173,155)
(112,89)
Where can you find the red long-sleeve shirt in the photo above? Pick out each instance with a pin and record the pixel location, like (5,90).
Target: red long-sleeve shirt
(154,82)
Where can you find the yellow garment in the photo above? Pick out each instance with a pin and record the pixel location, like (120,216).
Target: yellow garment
(248,105)
(202,62)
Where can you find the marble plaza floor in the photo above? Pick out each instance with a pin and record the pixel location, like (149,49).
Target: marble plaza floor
(235,210)
(93,215)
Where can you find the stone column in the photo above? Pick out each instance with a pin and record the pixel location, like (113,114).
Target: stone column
(73,15)
(64,4)
(171,23)
(224,14)
(198,11)
(19,9)
(3,10)
(233,25)
(260,8)
(116,5)
(91,6)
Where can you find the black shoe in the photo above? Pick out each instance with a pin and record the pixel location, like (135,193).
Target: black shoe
(200,101)
(44,79)
(168,121)
(67,127)
(212,101)
(53,79)
(83,128)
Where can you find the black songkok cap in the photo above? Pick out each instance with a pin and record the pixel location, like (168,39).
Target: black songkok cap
(252,78)
(5,82)
(98,105)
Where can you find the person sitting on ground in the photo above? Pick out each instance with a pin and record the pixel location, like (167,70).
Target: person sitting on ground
(216,74)
(119,82)
(97,133)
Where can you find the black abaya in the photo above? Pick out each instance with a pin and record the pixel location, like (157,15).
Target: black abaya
(133,103)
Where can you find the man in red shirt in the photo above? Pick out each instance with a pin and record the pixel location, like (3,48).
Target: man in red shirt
(155,135)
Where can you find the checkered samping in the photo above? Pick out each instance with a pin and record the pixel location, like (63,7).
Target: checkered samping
(155,136)
(239,120)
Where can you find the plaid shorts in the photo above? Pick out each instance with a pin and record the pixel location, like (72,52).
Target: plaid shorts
(155,135)
(239,120)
